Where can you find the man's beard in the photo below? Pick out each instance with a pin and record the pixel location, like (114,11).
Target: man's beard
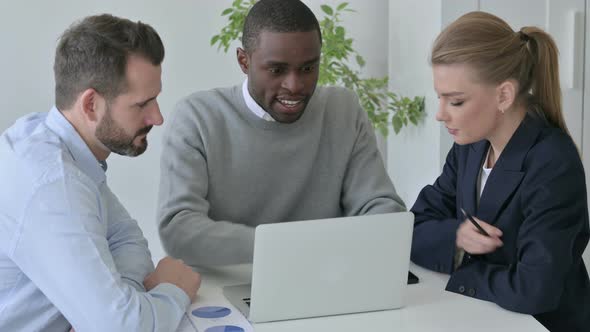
(115,139)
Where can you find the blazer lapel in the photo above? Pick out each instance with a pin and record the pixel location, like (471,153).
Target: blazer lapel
(508,171)
(468,182)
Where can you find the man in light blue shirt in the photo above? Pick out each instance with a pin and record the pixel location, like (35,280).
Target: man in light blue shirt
(70,254)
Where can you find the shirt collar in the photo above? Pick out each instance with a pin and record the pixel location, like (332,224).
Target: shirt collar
(253,105)
(77,148)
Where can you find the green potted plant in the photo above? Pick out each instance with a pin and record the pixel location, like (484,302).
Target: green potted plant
(382,106)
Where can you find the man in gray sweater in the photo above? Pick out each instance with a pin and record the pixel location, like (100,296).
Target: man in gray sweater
(272,149)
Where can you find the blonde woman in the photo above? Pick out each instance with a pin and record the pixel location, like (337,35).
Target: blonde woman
(515,168)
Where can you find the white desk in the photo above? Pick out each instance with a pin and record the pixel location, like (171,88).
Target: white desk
(429,308)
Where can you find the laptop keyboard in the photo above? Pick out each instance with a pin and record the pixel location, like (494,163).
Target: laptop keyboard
(247,301)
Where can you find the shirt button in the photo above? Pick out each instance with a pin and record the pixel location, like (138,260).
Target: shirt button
(461,289)
(471,292)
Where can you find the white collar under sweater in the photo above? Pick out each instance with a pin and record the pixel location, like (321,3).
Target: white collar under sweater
(253,105)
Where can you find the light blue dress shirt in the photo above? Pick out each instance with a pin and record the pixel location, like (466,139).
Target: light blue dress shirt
(69,251)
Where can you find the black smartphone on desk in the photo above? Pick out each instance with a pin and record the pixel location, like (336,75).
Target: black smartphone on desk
(412,278)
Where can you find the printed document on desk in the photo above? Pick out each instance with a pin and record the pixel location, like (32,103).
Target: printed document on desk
(214,316)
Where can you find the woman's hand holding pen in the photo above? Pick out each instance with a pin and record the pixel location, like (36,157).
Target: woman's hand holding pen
(470,239)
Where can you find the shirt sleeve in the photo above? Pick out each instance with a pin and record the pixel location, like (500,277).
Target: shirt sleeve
(127,244)
(62,248)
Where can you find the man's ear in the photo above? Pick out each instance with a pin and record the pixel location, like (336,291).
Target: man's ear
(90,101)
(243,59)
(506,94)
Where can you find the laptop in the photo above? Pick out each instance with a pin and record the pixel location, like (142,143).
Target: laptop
(326,267)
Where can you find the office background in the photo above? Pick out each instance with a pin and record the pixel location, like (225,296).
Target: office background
(394,36)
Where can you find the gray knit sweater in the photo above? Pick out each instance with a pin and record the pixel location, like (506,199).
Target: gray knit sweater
(225,171)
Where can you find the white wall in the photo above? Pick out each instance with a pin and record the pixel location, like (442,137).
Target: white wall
(29,32)
(413,155)
(368,26)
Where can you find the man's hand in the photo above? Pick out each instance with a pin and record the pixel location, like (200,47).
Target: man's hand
(473,242)
(174,271)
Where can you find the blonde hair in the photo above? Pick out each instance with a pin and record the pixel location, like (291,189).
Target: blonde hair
(498,53)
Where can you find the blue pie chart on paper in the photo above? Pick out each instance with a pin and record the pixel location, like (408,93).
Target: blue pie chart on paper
(225,328)
(211,312)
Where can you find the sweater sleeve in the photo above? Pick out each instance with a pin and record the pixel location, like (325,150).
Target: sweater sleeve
(367,188)
(185,229)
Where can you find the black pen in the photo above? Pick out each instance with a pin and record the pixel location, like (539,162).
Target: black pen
(470,217)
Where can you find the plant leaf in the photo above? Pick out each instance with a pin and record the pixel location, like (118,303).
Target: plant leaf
(227,11)
(360,60)
(397,124)
(327,9)
(342,6)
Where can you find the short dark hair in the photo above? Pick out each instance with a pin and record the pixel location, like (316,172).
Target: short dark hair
(93,53)
(277,16)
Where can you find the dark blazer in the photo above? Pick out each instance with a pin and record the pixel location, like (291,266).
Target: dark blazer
(536,194)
